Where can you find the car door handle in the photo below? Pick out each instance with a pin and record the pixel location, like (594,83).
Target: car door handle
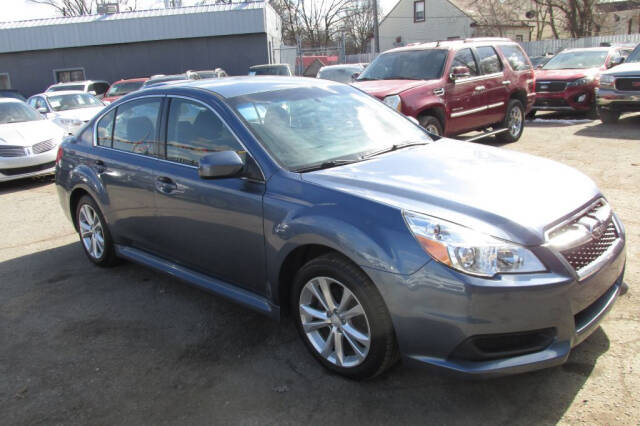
(165,185)
(479,88)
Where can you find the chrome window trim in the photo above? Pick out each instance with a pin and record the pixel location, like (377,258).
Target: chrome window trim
(476,78)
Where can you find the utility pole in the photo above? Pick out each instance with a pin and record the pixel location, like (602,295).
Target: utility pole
(376,35)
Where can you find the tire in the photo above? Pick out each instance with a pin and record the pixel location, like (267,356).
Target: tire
(531,115)
(90,233)
(365,315)
(607,116)
(513,121)
(431,124)
(592,114)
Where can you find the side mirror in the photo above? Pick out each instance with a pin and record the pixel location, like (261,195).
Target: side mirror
(42,110)
(539,66)
(93,92)
(355,76)
(220,164)
(459,72)
(615,62)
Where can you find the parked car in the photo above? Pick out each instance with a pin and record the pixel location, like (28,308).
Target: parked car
(619,89)
(96,88)
(309,197)
(568,81)
(28,142)
(340,73)
(161,78)
(216,73)
(10,93)
(70,110)
(271,69)
(121,88)
(454,87)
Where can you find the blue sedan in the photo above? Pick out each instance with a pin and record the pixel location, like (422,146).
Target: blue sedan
(310,198)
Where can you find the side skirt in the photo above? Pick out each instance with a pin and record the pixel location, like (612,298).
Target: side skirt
(212,285)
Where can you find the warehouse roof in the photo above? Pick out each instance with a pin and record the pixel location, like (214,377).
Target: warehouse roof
(145,25)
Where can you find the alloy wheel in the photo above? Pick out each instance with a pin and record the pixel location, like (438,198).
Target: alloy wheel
(91,231)
(515,121)
(334,322)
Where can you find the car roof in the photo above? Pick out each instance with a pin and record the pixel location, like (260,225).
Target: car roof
(61,92)
(70,83)
(238,86)
(342,66)
(589,49)
(452,44)
(133,80)
(8,100)
(268,65)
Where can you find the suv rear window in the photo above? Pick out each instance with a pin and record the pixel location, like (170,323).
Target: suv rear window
(517,60)
(489,61)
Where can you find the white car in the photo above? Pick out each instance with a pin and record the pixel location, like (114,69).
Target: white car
(28,142)
(69,110)
(94,87)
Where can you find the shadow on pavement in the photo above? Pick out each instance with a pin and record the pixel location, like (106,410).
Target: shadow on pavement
(25,184)
(128,345)
(627,128)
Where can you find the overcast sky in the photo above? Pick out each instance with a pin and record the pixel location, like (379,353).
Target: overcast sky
(17,10)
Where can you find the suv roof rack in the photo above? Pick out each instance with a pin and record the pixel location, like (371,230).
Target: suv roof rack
(481,39)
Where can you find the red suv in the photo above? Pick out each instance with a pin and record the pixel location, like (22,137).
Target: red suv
(453,87)
(123,87)
(568,81)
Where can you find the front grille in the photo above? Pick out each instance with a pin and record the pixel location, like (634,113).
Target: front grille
(41,147)
(585,254)
(12,151)
(628,84)
(30,169)
(550,86)
(551,103)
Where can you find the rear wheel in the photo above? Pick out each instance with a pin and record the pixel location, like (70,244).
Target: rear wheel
(513,122)
(607,116)
(94,235)
(431,124)
(342,318)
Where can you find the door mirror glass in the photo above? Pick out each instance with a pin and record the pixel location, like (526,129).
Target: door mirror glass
(460,72)
(616,61)
(355,76)
(92,92)
(220,164)
(42,110)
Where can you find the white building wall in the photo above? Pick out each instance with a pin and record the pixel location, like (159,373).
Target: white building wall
(442,20)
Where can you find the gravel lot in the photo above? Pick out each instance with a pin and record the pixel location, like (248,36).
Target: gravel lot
(79,344)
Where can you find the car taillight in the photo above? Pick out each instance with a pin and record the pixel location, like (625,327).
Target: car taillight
(59,155)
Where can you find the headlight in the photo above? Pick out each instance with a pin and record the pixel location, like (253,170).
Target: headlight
(393,101)
(607,80)
(580,82)
(469,251)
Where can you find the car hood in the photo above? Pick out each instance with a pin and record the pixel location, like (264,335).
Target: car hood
(565,74)
(111,98)
(503,193)
(630,68)
(29,133)
(382,88)
(84,114)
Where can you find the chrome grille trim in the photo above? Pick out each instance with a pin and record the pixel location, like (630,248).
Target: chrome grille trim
(12,151)
(44,146)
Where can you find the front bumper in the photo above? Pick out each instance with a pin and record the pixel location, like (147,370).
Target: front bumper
(619,101)
(13,168)
(437,311)
(580,98)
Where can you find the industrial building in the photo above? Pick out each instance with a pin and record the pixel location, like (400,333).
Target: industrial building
(37,53)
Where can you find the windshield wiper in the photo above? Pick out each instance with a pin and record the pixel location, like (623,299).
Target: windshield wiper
(327,165)
(394,147)
(399,77)
(366,79)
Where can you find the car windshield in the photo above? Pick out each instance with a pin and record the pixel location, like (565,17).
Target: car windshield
(342,74)
(407,65)
(268,71)
(17,112)
(122,89)
(73,101)
(579,59)
(79,87)
(309,126)
(635,55)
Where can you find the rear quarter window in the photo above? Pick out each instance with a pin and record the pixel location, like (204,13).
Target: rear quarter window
(516,58)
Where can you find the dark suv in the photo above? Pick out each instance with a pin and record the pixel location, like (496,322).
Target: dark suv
(454,87)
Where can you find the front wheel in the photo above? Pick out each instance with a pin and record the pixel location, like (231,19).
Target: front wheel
(94,234)
(342,318)
(513,122)
(431,124)
(608,117)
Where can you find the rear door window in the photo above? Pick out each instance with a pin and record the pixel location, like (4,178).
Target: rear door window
(194,131)
(136,126)
(489,61)
(105,130)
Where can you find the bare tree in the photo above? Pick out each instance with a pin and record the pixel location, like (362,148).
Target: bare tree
(578,17)
(358,26)
(83,7)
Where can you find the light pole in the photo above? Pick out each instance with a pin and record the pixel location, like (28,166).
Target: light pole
(376,35)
